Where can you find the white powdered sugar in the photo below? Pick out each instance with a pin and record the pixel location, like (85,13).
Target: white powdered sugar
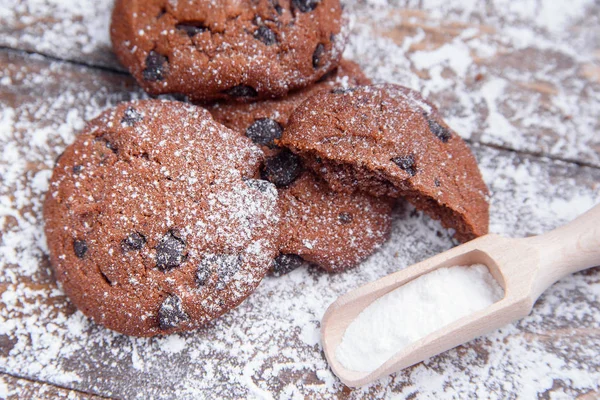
(413,311)
(525,81)
(508,74)
(87,41)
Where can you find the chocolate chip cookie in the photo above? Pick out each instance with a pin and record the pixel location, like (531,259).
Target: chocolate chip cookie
(263,121)
(332,230)
(155,220)
(387,140)
(243,50)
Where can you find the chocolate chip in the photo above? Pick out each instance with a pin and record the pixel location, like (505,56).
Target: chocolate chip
(131,117)
(169,252)
(242,91)
(437,183)
(77,169)
(107,144)
(282,169)
(226,265)
(264,131)
(285,263)
(171,313)
(203,272)
(135,241)
(438,130)
(306,5)
(318,55)
(345,217)
(191,28)
(155,67)
(278,9)
(80,248)
(343,90)
(260,185)
(265,35)
(407,163)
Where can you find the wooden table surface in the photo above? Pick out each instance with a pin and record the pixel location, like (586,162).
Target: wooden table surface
(520,81)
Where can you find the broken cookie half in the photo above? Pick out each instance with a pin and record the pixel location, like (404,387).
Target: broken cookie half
(387,140)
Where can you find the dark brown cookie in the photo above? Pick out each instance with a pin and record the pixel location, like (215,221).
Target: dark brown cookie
(264,120)
(388,141)
(332,230)
(242,50)
(155,221)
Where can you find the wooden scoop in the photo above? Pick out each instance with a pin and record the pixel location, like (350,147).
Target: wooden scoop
(525,268)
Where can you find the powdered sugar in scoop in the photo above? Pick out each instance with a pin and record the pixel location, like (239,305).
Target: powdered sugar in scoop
(413,311)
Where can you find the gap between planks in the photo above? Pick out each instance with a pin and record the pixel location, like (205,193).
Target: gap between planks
(32,381)
(534,154)
(64,60)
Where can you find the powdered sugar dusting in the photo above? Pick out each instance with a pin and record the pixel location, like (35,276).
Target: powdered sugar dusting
(121,195)
(513,74)
(43,25)
(267,346)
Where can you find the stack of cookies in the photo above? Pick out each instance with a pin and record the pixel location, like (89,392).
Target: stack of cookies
(163,215)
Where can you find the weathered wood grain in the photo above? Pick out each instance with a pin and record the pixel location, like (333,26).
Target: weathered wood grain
(12,388)
(76,31)
(269,344)
(500,77)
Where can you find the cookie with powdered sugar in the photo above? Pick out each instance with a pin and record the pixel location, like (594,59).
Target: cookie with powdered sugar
(387,140)
(332,230)
(155,220)
(263,121)
(241,50)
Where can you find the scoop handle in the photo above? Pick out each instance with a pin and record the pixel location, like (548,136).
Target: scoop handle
(568,249)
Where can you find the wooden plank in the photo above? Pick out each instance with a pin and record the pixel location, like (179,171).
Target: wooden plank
(76,31)
(269,345)
(508,76)
(13,388)
(500,76)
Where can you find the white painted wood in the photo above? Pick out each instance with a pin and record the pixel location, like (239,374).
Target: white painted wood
(523,267)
